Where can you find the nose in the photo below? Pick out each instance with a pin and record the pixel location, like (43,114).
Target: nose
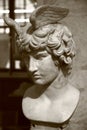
(32,65)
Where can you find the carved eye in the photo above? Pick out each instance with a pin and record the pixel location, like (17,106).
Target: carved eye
(40,56)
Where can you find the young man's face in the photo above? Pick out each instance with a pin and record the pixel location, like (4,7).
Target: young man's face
(42,67)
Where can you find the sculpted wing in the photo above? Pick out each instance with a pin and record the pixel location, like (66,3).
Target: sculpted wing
(47,14)
(18,29)
(43,15)
(10,22)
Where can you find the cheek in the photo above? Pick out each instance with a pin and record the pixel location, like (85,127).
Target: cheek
(48,67)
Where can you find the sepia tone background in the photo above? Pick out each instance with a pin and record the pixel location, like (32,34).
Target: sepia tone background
(77,23)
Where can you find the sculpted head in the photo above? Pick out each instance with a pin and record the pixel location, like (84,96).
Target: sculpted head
(47,34)
(57,40)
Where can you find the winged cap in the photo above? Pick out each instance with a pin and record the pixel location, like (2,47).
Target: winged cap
(47,14)
(43,15)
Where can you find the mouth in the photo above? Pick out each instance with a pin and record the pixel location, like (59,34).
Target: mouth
(36,76)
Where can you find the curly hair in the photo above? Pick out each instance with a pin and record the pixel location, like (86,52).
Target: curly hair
(57,40)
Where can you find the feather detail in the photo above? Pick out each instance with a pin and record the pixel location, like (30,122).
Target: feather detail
(19,30)
(10,22)
(47,14)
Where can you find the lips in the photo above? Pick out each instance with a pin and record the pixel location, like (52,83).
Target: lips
(36,76)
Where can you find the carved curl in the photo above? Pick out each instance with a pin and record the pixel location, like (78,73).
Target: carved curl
(62,44)
(57,40)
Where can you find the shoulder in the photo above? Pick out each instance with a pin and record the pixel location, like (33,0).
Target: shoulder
(79,117)
(70,102)
(73,94)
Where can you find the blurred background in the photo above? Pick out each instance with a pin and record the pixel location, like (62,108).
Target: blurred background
(12,79)
(19,11)
(11,76)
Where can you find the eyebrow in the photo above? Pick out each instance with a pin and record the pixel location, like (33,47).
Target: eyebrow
(39,52)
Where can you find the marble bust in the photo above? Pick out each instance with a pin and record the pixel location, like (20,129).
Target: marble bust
(47,52)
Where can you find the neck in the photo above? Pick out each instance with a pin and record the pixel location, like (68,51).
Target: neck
(53,89)
(57,87)
(59,82)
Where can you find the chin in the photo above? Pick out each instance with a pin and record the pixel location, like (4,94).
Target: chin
(39,82)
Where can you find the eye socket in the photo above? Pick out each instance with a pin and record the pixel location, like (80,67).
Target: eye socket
(40,56)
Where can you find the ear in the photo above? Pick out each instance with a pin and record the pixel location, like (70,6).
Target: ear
(56,62)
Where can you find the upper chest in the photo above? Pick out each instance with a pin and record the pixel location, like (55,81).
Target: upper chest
(44,109)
